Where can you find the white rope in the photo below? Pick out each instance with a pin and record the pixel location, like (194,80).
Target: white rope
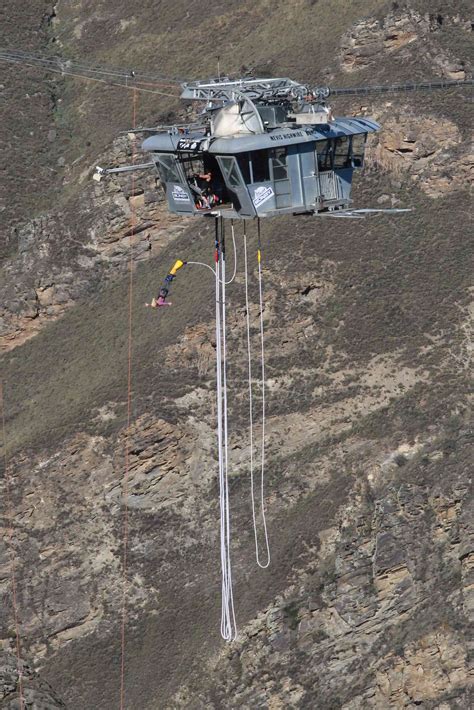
(262,470)
(235,253)
(228,623)
(201,263)
(219,430)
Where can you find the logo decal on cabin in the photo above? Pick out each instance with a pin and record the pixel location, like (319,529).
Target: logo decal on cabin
(262,194)
(189,144)
(179,194)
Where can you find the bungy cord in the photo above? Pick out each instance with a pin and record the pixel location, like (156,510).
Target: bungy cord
(228,623)
(262,354)
(201,263)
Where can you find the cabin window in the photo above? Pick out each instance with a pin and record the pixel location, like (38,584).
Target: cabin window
(324,151)
(203,177)
(231,170)
(278,163)
(167,167)
(260,166)
(281,183)
(342,158)
(192,165)
(358,147)
(244,164)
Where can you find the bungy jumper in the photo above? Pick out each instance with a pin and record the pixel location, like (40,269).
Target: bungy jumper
(160,300)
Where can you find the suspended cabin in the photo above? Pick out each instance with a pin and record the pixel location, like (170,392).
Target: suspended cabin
(261,160)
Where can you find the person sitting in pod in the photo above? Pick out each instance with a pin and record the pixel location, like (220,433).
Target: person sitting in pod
(203,202)
(207,199)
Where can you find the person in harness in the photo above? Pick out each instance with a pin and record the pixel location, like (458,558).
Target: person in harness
(160,300)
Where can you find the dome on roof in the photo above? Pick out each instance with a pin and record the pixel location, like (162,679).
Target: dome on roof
(237,118)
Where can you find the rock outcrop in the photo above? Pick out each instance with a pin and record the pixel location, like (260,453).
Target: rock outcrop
(360,624)
(425,150)
(69,252)
(35,694)
(369,40)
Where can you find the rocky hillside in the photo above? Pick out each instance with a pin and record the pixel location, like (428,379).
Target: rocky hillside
(368,335)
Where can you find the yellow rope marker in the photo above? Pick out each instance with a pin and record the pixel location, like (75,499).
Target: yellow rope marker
(259,256)
(178,265)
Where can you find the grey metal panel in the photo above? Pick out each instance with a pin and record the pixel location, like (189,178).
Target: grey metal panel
(283,201)
(282,136)
(344,177)
(309,173)
(272,116)
(179,198)
(263,197)
(161,142)
(273,139)
(282,187)
(368,122)
(278,138)
(329,185)
(294,172)
(350,126)
(165,142)
(235,184)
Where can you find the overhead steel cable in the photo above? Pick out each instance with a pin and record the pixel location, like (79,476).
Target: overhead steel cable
(84,66)
(128,83)
(271,90)
(271,87)
(66,65)
(409,86)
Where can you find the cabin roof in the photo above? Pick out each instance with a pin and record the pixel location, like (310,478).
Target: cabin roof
(197,142)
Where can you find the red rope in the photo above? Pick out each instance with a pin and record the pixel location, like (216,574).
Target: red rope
(10,532)
(129,421)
